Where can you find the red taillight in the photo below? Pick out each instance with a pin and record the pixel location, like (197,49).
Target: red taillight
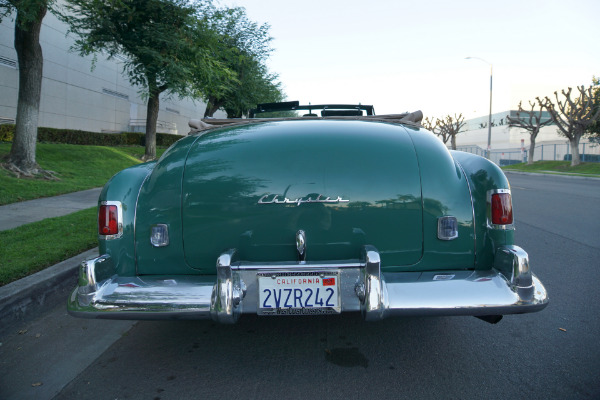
(108,220)
(502,209)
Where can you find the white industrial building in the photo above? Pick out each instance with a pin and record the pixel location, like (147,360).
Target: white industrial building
(76,97)
(503,137)
(507,143)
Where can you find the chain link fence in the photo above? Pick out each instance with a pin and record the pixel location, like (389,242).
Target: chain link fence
(589,152)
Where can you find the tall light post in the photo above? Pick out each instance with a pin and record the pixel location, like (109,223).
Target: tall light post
(489,146)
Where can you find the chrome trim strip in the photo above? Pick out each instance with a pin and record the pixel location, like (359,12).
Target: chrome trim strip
(308,266)
(489,210)
(119,219)
(472,210)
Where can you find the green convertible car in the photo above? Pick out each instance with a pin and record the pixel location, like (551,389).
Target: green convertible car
(307,214)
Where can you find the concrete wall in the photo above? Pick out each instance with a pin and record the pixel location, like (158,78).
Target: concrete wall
(76,97)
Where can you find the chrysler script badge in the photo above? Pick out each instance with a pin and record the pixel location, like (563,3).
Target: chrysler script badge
(274,199)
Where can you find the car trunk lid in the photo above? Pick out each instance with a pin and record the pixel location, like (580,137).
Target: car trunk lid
(344,183)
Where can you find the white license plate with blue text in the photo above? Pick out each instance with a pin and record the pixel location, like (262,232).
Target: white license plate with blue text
(299,293)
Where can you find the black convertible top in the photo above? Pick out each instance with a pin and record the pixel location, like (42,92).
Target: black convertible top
(329,110)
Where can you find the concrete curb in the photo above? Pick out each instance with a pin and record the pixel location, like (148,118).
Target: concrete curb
(30,294)
(592,178)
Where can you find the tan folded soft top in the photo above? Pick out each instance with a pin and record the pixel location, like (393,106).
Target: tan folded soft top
(199,125)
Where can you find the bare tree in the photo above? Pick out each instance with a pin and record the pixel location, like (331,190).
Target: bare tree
(434,127)
(532,122)
(450,127)
(428,123)
(573,117)
(431,125)
(594,129)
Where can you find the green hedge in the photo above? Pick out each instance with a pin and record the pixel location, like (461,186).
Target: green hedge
(6,132)
(584,157)
(71,136)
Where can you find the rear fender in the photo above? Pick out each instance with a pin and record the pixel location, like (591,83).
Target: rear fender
(484,176)
(124,187)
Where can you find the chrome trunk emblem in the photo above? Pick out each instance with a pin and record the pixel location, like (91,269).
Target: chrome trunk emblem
(274,199)
(301,245)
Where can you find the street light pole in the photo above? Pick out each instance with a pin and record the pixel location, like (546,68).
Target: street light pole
(489,146)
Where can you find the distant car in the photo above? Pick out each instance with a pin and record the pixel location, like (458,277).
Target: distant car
(308,214)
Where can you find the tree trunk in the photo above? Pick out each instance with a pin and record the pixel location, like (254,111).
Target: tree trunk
(532,137)
(21,159)
(453,142)
(151,119)
(575,159)
(233,114)
(212,107)
(531,150)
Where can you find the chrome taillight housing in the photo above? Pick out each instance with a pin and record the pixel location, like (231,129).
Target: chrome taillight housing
(500,212)
(110,220)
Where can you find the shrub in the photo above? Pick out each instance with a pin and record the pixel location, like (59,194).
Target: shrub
(72,136)
(584,157)
(7,132)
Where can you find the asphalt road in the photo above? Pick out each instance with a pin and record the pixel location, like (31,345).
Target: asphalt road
(551,354)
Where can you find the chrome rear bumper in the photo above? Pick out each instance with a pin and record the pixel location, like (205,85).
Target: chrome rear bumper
(508,288)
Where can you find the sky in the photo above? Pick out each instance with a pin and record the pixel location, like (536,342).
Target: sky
(410,55)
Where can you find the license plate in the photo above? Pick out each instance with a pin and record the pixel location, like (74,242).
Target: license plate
(299,293)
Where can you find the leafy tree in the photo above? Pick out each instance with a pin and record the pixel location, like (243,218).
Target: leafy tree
(243,48)
(165,42)
(573,117)
(532,122)
(255,86)
(28,22)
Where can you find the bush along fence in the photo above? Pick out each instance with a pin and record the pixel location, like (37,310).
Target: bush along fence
(589,152)
(71,136)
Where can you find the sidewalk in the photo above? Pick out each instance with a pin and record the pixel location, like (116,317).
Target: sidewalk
(38,291)
(552,173)
(25,212)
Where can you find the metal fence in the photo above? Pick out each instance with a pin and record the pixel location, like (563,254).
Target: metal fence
(589,152)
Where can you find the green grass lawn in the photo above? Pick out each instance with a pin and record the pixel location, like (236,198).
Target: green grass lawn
(560,167)
(33,247)
(77,167)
